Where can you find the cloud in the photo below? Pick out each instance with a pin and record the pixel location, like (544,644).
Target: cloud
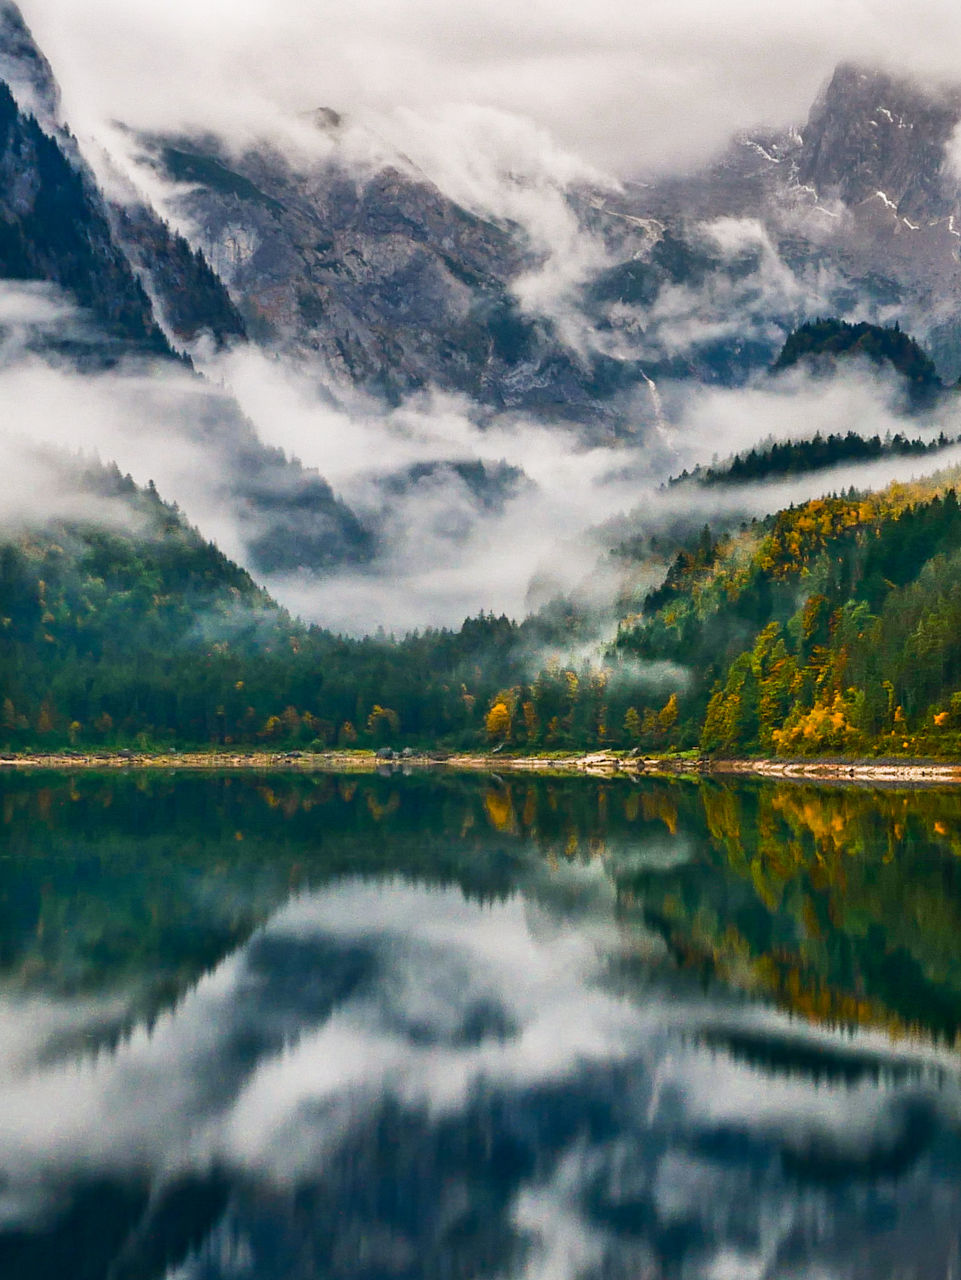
(624,87)
(470,512)
(445,554)
(747,296)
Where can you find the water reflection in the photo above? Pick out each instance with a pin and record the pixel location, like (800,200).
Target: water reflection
(418,1027)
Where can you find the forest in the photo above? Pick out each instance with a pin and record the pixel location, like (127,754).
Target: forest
(776,459)
(831,628)
(821,343)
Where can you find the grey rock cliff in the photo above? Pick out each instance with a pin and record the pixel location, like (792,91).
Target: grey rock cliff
(872,132)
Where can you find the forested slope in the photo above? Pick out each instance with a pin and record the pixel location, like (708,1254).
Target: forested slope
(832,627)
(131,629)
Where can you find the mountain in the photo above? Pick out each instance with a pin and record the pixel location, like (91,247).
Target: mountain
(374,276)
(381,281)
(386,282)
(392,286)
(856,213)
(832,627)
(142,284)
(371,278)
(56,228)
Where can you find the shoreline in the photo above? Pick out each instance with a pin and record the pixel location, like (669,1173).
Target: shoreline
(590,764)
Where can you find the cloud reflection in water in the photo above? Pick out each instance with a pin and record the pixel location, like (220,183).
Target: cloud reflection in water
(391,1080)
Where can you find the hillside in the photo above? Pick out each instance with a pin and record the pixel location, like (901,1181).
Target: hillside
(131,629)
(822,343)
(773,459)
(832,627)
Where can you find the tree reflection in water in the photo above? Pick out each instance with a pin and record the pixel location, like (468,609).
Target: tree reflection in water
(433,1026)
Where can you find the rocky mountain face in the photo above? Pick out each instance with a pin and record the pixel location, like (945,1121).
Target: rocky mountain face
(388,283)
(856,214)
(873,136)
(392,286)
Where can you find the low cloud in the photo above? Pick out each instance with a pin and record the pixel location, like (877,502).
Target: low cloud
(469,512)
(626,88)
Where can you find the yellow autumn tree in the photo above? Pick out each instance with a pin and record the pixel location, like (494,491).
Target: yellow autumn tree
(498,722)
(667,716)
(826,727)
(290,719)
(273,727)
(383,722)
(531,721)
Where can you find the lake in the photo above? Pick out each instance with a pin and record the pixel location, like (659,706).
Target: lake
(435,1026)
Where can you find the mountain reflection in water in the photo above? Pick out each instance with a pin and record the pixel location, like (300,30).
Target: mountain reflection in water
(437,1027)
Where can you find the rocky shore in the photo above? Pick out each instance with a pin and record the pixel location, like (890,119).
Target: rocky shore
(595,764)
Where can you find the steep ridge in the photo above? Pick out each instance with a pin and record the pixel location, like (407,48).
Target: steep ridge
(190,299)
(143,292)
(25,69)
(53,227)
(71,234)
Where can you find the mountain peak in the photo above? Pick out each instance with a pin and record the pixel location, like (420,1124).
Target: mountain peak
(871,132)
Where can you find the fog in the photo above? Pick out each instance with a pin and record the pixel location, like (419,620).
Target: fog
(445,555)
(537,523)
(624,87)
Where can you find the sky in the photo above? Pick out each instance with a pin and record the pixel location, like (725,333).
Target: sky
(624,86)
